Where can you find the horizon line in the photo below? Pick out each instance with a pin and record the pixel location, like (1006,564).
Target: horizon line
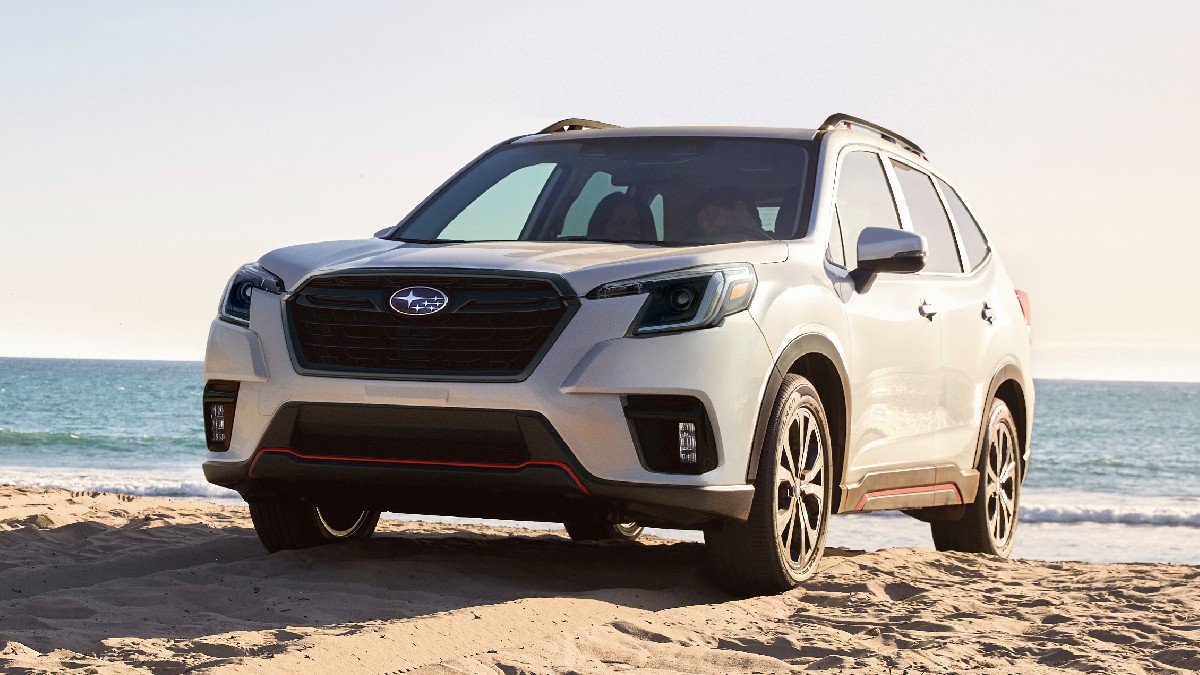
(201,361)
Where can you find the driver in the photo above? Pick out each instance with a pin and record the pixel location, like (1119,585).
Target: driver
(620,217)
(724,214)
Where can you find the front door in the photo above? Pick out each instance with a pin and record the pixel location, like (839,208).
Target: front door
(893,352)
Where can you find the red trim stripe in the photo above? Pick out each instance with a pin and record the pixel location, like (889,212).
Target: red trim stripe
(419,462)
(924,489)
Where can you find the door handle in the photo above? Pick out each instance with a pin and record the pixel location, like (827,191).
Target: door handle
(988,314)
(927,310)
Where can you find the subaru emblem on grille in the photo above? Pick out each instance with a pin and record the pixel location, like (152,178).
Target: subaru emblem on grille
(418,300)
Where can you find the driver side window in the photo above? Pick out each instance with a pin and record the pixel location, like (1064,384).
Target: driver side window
(864,199)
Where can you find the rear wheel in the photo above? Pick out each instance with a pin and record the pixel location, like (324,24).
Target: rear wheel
(782,541)
(292,524)
(989,524)
(598,530)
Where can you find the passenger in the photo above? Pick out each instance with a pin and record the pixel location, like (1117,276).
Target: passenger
(620,217)
(724,214)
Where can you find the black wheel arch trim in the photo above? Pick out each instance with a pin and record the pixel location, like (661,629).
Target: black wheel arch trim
(809,343)
(1006,373)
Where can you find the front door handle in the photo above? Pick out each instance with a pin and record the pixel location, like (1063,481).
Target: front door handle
(988,314)
(927,310)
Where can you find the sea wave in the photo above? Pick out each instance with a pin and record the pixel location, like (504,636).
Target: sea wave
(1182,512)
(1179,516)
(10,438)
(188,481)
(147,485)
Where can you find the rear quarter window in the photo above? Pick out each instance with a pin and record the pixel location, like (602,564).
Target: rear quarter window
(974,242)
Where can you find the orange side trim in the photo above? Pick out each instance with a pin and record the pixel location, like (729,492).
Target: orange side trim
(921,489)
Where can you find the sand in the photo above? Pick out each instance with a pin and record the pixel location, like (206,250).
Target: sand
(116,584)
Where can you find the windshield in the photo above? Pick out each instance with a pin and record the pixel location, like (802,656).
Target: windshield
(664,191)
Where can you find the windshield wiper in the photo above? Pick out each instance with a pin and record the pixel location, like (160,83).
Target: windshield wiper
(607,241)
(408,240)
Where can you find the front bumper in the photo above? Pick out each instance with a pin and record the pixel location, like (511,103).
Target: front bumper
(547,483)
(576,390)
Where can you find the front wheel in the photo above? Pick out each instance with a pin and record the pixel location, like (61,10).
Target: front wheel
(989,524)
(783,539)
(293,524)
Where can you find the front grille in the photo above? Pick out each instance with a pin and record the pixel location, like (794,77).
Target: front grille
(493,327)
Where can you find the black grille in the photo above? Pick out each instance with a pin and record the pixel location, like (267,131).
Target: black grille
(494,327)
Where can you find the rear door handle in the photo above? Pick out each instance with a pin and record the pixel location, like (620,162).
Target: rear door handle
(927,309)
(988,314)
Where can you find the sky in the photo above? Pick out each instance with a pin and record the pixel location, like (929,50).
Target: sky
(149,149)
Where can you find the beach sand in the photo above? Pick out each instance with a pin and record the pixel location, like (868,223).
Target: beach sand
(110,583)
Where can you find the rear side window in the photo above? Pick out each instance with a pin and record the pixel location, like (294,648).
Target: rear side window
(863,200)
(972,237)
(928,218)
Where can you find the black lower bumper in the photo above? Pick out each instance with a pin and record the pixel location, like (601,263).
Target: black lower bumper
(425,461)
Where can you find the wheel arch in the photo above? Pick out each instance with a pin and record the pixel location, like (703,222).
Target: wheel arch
(1007,386)
(815,357)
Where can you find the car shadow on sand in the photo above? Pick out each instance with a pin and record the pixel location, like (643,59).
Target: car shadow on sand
(184,581)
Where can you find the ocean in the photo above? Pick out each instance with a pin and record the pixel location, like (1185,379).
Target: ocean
(1115,475)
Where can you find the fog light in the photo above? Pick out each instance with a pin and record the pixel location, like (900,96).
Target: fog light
(220,403)
(687,442)
(216,423)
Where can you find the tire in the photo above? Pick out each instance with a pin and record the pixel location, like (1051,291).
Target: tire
(291,525)
(598,530)
(989,524)
(764,554)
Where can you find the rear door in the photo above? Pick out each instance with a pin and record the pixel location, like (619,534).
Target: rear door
(958,305)
(968,333)
(893,351)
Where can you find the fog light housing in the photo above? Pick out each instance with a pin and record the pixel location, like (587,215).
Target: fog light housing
(220,403)
(672,434)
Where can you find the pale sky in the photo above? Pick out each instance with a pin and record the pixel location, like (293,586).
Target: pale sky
(149,148)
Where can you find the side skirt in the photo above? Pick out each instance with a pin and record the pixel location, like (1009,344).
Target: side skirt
(941,485)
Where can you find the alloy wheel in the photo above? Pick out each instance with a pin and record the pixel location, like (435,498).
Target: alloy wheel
(1000,483)
(800,487)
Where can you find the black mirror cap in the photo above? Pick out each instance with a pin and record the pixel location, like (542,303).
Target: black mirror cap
(902,263)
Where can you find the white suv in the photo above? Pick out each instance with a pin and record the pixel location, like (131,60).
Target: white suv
(737,330)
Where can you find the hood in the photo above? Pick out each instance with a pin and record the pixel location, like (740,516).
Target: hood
(584,265)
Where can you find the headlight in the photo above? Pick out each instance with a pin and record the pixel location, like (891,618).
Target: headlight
(688,299)
(235,304)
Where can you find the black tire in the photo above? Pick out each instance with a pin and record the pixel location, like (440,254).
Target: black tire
(989,524)
(598,530)
(291,525)
(762,555)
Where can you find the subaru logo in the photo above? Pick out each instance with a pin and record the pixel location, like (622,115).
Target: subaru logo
(418,300)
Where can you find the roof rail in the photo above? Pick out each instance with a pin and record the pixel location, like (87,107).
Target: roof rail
(576,124)
(848,122)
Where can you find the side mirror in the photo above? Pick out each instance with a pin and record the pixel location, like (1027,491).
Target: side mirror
(884,249)
(384,232)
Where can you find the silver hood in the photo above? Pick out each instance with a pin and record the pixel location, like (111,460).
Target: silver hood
(584,265)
